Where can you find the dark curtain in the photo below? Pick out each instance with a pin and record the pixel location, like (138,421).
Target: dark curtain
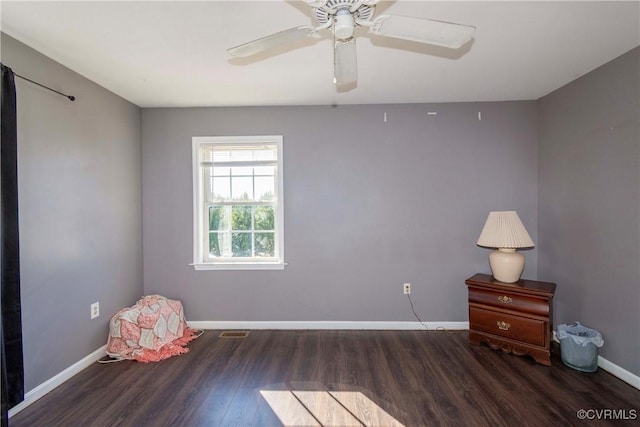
(11,321)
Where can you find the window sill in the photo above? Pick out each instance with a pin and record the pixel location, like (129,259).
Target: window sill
(239,266)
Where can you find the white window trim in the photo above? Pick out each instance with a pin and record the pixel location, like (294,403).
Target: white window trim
(198,219)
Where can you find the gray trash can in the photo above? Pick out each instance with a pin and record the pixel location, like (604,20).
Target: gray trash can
(579,346)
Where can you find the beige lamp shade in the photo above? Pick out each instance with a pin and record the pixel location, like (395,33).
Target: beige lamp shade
(504,230)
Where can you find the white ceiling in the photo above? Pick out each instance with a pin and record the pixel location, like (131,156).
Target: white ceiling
(173,53)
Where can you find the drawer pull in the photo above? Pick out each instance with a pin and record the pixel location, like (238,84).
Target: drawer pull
(502,325)
(504,299)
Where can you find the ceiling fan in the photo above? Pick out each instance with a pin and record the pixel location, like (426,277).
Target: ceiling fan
(343,17)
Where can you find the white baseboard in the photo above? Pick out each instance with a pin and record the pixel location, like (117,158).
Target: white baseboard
(44,388)
(328,325)
(615,370)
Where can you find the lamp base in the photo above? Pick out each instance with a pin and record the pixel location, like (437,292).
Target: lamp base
(506,264)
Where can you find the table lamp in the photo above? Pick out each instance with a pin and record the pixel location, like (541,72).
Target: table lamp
(505,232)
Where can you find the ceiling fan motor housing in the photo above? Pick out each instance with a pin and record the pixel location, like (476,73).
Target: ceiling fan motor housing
(344,19)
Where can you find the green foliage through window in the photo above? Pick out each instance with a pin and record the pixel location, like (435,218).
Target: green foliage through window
(242,231)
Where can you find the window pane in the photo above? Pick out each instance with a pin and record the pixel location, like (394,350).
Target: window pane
(241,244)
(219,218)
(265,170)
(264,219)
(242,188)
(214,246)
(241,218)
(265,244)
(264,187)
(244,171)
(215,217)
(218,171)
(220,244)
(221,188)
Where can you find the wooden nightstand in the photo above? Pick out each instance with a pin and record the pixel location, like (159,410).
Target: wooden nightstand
(512,317)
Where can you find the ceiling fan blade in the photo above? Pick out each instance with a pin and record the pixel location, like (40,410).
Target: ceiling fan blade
(269,42)
(345,62)
(438,33)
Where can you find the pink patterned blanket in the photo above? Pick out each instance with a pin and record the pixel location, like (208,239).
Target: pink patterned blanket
(152,330)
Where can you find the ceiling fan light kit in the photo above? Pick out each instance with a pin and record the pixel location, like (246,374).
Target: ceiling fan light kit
(344,25)
(344,16)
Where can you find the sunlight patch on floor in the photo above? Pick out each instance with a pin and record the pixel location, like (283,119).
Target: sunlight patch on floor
(327,409)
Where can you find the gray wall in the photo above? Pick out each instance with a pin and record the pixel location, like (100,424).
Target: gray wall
(368,205)
(80,211)
(589,204)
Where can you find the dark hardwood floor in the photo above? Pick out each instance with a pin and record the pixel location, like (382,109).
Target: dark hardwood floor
(410,378)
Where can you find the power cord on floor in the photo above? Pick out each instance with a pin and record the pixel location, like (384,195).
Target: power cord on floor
(416,314)
(440,328)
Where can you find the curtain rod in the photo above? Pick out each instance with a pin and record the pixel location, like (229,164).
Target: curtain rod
(70,97)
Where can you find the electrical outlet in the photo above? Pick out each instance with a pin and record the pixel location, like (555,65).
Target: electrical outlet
(95,310)
(407,288)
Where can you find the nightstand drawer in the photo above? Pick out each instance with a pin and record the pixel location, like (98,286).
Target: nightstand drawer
(510,301)
(505,325)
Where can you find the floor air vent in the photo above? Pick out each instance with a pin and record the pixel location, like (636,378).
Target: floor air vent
(233,334)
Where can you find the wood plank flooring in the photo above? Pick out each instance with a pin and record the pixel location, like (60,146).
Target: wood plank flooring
(334,378)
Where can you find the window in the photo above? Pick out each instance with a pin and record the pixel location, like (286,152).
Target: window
(238,219)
